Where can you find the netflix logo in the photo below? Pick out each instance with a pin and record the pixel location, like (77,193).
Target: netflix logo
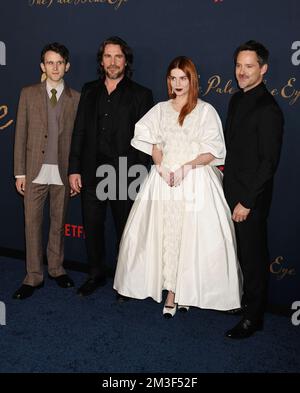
(76,231)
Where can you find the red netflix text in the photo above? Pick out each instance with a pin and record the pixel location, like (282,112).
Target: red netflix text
(76,231)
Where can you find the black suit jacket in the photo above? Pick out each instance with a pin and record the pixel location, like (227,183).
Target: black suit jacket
(134,102)
(253,135)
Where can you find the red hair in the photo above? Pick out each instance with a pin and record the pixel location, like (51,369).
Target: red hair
(187,66)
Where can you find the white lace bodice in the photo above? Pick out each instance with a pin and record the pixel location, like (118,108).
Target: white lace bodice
(201,132)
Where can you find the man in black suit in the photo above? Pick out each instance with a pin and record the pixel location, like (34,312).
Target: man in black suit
(108,110)
(253,135)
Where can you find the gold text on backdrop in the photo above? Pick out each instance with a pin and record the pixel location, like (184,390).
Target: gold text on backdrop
(3,114)
(215,84)
(280,271)
(48,3)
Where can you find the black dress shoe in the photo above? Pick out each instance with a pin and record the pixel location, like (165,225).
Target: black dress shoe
(63,281)
(244,329)
(91,285)
(26,291)
(121,298)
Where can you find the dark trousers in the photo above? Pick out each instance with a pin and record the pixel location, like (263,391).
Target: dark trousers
(254,259)
(94,215)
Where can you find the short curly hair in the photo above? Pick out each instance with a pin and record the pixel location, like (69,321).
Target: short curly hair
(55,47)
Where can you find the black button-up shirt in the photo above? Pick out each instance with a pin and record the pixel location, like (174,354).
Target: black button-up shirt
(108,105)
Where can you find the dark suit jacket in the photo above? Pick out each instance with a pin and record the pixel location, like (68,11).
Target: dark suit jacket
(134,102)
(253,135)
(32,129)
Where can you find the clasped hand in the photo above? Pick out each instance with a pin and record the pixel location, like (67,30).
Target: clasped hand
(173,179)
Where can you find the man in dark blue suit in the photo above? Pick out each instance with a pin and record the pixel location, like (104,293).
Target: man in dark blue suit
(253,135)
(108,110)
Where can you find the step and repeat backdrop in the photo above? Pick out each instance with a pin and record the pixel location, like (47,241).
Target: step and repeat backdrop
(208,31)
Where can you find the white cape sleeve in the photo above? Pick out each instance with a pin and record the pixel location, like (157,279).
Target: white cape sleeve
(147,131)
(212,138)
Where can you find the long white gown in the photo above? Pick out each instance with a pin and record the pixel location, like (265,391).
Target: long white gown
(181,238)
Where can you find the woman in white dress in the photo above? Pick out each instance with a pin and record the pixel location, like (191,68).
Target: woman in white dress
(179,235)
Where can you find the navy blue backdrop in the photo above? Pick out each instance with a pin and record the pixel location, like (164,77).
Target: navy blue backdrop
(208,31)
